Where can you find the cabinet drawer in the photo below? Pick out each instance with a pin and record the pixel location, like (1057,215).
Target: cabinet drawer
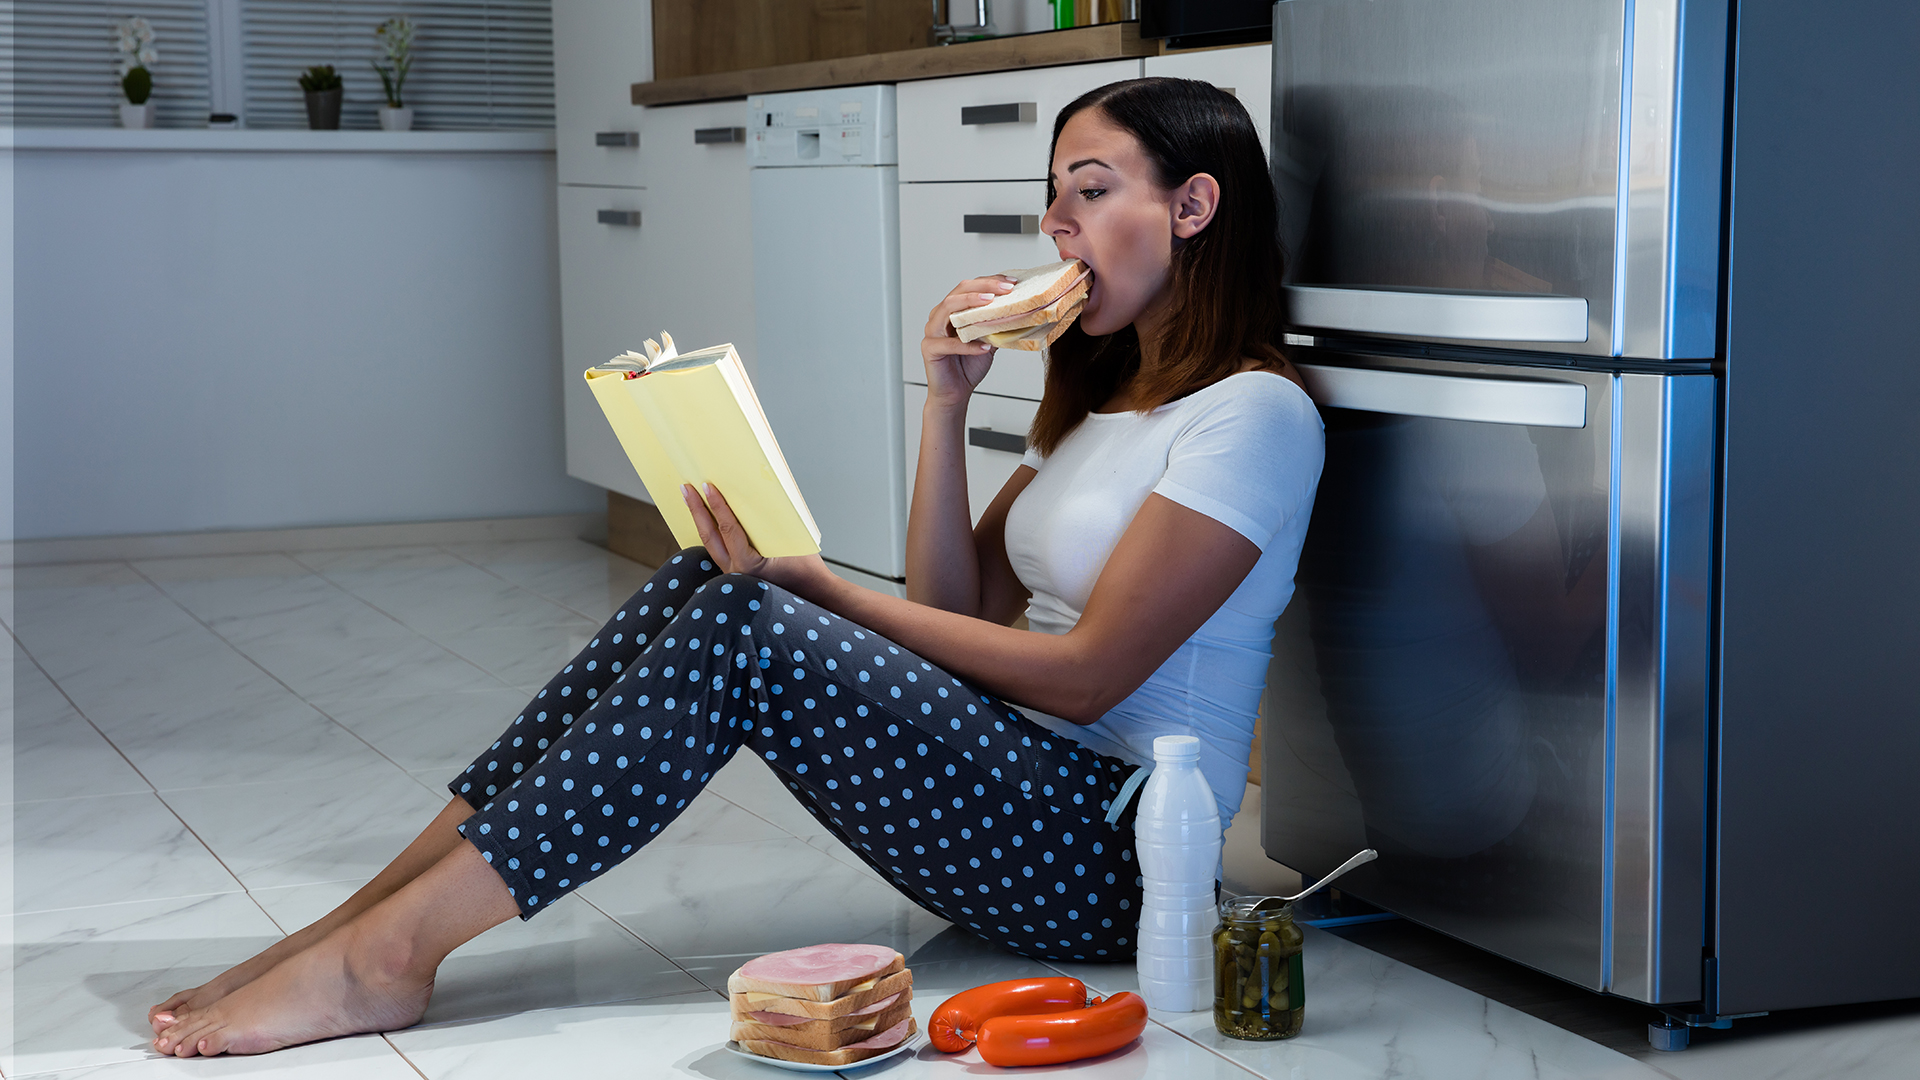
(938,252)
(992,423)
(691,147)
(686,268)
(599,51)
(991,127)
(1247,71)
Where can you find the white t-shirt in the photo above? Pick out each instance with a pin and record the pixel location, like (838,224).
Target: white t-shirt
(1245,451)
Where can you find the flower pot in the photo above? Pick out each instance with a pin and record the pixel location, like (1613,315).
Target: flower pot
(136,116)
(323,109)
(396,119)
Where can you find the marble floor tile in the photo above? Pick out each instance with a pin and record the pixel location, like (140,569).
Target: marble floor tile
(329,670)
(107,849)
(438,732)
(57,754)
(661,1037)
(711,907)
(134,625)
(1884,1048)
(363,1057)
(280,738)
(435,591)
(573,573)
(570,954)
(748,783)
(90,974)
(268,595)
(309,831)
(1369,1016)
(519,655)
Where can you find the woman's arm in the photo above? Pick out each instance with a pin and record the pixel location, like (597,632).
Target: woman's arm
(1171,570)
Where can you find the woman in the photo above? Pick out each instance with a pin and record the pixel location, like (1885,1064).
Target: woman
(1152,537)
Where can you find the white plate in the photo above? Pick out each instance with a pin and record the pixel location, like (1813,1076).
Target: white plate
(912,1042)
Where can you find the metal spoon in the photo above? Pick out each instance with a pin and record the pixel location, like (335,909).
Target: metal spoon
(1360,859)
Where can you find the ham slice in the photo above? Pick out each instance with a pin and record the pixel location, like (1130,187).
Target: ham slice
(890,1037)
(820,964)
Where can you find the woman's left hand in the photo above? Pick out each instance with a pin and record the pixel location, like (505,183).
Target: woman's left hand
(727,544)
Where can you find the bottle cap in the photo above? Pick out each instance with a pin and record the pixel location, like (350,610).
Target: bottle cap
(1174,748)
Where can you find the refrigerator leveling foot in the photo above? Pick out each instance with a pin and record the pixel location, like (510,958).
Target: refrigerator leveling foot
(1668,1034)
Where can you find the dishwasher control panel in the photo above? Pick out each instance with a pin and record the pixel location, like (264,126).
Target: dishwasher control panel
(851,125)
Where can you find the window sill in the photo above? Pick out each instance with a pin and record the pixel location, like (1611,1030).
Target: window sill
(256,141)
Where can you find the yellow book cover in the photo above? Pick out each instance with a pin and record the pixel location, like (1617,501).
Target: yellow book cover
(693,418)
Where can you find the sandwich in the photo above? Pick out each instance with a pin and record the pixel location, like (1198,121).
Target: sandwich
(1044,302)
(824,1005)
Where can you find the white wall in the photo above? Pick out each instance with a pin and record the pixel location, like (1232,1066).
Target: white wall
(285,337)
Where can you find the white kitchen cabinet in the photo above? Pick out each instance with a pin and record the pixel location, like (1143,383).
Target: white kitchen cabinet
(996,126)
(600,50)
(940,247)
(994,425)
(686,147)
(1246,70)
(683,265)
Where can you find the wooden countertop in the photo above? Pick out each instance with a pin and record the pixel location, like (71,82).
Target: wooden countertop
(1110,41)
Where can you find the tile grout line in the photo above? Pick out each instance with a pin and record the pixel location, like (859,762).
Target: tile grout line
(554,600)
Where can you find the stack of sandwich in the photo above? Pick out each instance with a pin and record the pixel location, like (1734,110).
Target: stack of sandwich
(1044,302)
(824,1004)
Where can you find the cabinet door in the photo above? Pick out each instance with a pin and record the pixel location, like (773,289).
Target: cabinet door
(686,148)
(995,126)
(602,272)
(939,248)
(599,51)
(992,425)
(1247,71)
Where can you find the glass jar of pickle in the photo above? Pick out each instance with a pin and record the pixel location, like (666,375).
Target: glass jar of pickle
(1258,991)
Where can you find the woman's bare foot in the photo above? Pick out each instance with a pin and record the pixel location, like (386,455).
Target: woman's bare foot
(439,837)
(353,981)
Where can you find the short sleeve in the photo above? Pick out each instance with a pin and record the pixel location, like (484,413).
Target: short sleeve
(1032,459)
(1249,456)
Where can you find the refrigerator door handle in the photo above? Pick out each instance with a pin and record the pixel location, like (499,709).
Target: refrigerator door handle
(1462,316)
(1448,397)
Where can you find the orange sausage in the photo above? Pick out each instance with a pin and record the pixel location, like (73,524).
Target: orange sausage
(956,1023)
(1053,1038)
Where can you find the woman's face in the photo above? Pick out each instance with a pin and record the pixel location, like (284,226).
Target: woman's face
(1110,214)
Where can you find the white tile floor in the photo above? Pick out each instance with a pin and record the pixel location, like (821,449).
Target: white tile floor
(207,753)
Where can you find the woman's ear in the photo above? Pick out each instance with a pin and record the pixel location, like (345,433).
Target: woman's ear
(1194,204)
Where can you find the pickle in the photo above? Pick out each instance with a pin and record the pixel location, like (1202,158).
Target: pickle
(1256,992)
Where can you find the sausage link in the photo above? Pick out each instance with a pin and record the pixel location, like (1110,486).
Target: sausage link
(1053,1038)
(956,1023)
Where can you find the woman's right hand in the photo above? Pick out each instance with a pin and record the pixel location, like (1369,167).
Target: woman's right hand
(955,367)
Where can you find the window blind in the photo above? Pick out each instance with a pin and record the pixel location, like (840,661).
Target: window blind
(477,63)
(58,62)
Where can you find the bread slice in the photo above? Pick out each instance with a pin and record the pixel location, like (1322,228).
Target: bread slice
(1075,295)
(826,1034)
(1033,288)
(845,1055)
(1039,337)
(747,1002)
(817,972)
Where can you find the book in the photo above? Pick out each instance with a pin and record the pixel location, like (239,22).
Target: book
(693,418)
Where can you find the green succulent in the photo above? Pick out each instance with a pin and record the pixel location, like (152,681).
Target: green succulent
(320,77)
(137,84)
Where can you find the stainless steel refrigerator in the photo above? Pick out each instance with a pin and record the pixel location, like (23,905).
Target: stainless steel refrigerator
(1506,224)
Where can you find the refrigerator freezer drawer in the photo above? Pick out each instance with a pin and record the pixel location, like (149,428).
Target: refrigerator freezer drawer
(1462,316)
(1494,669)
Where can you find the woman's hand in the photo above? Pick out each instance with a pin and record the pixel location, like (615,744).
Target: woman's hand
(955,367)
(727,544)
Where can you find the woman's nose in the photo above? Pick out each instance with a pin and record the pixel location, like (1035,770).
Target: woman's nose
(1054,223)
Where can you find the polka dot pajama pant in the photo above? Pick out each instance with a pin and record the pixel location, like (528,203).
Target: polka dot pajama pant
(969,808)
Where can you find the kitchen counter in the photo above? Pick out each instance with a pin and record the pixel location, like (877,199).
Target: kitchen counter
(1086,44)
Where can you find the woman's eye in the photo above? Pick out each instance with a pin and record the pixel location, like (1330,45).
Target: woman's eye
(1092,193)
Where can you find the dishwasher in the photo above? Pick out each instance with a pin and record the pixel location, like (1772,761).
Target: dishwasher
(824,184)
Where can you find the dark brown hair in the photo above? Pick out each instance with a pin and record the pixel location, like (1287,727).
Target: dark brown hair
(1226,305)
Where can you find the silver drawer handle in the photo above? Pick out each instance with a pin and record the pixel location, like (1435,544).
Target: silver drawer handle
(616,138)
(629,218)
(708,136)
(989,439)
(1448,397)
(1013,112)
(1468,316)
(1007,224)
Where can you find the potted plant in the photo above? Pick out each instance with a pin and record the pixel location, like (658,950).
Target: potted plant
(134,38)
(324,92)
(396,47)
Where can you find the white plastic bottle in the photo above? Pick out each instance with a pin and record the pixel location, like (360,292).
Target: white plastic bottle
(1177,836)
